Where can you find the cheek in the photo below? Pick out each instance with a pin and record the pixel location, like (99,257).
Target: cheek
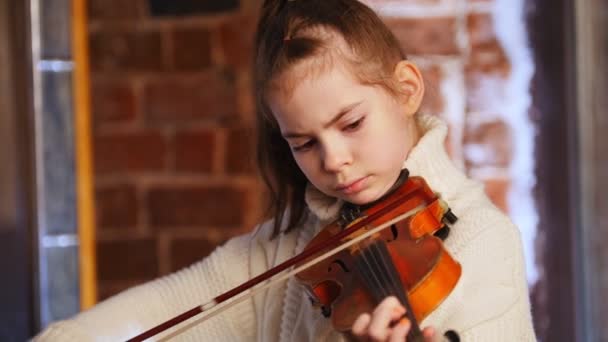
(305,162)
(384,153)
(384,147)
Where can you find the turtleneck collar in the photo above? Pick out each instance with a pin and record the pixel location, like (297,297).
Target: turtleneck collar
(428,159)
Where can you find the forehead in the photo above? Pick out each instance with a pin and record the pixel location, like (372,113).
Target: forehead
(314,96)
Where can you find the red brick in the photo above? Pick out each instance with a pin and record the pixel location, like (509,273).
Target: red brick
(487,64)
(116,206)
(221,206)
(130,152)
(481,28)
(498,191)
(191,49)
(433,100)
(494,139)
(185,252)
(195,151)
(487,59)
(240,151)
(211,96)
(126,51)
(486,54)
(113,102)
(435,36)
(237,38)
(114,9)
(134,259)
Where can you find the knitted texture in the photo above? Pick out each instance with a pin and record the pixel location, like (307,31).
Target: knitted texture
(489,303)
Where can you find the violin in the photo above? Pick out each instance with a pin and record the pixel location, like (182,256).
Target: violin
(390,247)
(407,261)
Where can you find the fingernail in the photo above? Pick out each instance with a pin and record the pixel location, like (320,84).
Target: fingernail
(399,310)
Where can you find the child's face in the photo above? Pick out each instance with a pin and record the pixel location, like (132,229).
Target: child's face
(348,138)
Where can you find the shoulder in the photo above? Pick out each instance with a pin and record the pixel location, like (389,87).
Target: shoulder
(488,246)
(63,331)
(268,249)
(478,219)
(486,240)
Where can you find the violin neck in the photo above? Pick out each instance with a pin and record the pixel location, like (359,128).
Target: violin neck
(415,334)
(378,272)
(415,337)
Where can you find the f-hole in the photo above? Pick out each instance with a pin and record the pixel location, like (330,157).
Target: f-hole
(395,232)
(339,263)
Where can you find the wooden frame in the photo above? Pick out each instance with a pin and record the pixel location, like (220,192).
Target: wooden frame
(17,195)
(571,55)
(84,159)
(554,303)
(592,229)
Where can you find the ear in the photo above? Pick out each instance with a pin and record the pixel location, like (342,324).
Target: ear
(410,86)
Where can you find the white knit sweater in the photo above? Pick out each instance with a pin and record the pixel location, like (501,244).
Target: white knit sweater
(489,303)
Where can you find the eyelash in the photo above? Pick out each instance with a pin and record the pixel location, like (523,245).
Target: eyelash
(355,125)
(303,147)
(348,128)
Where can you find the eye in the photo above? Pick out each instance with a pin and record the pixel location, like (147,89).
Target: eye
(355,125)
(303,147)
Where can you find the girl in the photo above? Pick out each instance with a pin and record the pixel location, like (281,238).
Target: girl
(337,123)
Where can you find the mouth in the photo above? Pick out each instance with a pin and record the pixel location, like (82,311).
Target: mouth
(352,187)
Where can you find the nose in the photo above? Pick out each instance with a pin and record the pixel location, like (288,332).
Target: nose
(335,157)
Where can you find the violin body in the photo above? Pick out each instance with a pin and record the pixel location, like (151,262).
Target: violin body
(406,256)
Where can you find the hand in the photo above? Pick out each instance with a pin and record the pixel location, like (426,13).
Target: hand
(379,325)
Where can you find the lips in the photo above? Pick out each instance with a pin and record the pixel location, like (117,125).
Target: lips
(352,187)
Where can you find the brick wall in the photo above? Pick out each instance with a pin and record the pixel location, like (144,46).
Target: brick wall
(172,147)
(173,112)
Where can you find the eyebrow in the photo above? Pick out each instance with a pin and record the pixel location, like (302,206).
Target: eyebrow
(345,110)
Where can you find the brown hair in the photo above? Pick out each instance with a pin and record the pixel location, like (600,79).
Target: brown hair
(289,32)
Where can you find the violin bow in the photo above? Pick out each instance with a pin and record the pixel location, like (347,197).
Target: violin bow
(219,304)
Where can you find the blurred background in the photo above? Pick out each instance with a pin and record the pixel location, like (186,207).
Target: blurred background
(126,141)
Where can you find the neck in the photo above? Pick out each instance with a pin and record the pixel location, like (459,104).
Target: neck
(413,133)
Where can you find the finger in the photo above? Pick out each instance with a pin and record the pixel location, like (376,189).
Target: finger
(359,328)
(429,334)
(400,331)
(389,310)
(390,307)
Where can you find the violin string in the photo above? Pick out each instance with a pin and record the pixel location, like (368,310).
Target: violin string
(394,282)
(371,264)
(386,267)
(377,263)
(379,259)
(401,293)
(367,274)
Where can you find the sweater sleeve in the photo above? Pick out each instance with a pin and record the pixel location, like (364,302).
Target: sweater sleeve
(495,304)
(143,307)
